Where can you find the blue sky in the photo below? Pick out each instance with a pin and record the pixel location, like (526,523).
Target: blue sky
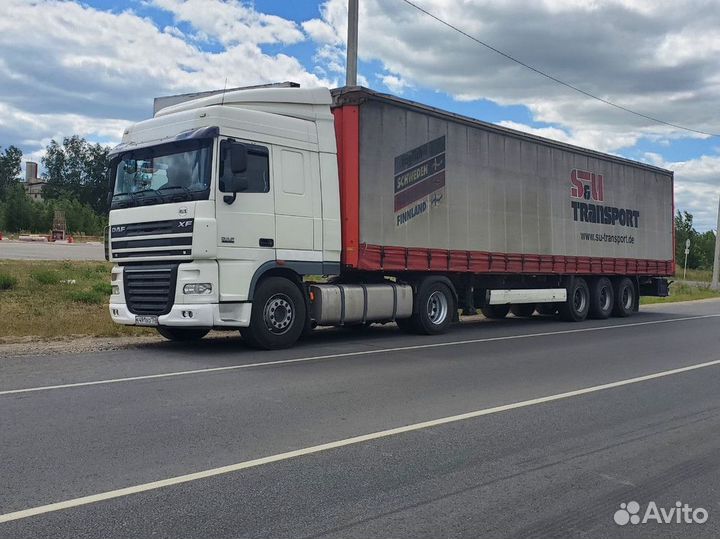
(93,67)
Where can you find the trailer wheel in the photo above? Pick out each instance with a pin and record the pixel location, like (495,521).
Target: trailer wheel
(278,315)
(495,312)
(602,298)
(624,298)
(436,306)
(547,309)
(577,305)
(182,334)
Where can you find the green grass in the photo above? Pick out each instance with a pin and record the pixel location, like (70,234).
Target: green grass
(682,292)
(50,299)
(45,276)
(7,281)
(694,274)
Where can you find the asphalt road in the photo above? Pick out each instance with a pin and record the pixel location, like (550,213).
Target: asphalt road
(20,250)
(562,423)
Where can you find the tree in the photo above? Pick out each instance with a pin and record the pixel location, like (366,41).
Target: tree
(77,170)
(702,246)
(18,209)
(10,161)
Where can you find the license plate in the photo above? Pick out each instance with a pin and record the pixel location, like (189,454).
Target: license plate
(146,320)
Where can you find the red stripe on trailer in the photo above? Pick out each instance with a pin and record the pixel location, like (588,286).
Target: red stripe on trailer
(392,258)
(347,134)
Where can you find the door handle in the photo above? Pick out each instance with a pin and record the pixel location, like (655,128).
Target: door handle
(266,242)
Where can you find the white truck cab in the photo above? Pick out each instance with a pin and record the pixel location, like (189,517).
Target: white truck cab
(214,194)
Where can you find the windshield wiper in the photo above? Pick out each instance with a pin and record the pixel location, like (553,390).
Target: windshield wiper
(122,204)
(188,193)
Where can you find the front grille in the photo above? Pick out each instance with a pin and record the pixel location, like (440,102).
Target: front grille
(150,289)
(176,226)
(140,240)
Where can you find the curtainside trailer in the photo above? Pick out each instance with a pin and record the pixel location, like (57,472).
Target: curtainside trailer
(274,210)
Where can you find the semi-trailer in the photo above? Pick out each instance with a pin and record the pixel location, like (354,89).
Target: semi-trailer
(275,210)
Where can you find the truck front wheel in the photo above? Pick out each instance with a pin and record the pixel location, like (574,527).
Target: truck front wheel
(436,306)
(182,334)
(278,315)
(576,308)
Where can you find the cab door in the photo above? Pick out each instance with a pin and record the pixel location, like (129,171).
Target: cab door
(245,219)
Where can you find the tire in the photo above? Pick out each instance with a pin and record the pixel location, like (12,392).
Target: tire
(624,298)
(602,298)
(495,312)
(547,309)
(522,310)
(436,307)
(278,315)
(182,334)
(577,305)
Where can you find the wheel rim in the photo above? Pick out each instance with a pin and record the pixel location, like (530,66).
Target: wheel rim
(279,314)
(605,298)
(579,300)
(437,307)
(627,298)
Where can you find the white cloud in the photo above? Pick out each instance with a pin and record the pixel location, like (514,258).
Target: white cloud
(232,22)
(90,72)
(321,32)
(394,83)
(697,186)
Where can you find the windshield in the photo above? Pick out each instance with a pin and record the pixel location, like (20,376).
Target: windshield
(166,173)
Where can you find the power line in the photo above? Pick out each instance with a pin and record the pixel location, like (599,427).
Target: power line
(555,79)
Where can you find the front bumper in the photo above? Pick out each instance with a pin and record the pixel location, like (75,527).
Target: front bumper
(187,310)
(206,315)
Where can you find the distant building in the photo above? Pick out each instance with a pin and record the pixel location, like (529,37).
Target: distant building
(33,185)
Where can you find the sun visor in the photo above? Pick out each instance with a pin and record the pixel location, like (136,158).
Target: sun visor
(200,133)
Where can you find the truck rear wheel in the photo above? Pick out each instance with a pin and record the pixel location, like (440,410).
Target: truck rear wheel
(577,305)
(522,310)
(182,334)
(495,312)
(602,298)
(624,298)
(278,315)
(436,306)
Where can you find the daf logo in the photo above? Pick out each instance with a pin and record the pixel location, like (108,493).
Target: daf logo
(184,224)
(118,229)
(183,211)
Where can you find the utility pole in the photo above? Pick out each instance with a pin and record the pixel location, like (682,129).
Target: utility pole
(352,44)
(714,284)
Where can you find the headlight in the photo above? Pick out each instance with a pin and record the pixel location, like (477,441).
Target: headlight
(115,290)
(197,288)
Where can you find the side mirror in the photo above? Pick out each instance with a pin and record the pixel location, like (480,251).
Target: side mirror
(238,158)
(233,185)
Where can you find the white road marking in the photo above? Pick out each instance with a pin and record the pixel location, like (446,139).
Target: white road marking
(119,493)
(350,354)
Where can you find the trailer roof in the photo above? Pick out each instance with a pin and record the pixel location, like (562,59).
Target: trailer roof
(355,95)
